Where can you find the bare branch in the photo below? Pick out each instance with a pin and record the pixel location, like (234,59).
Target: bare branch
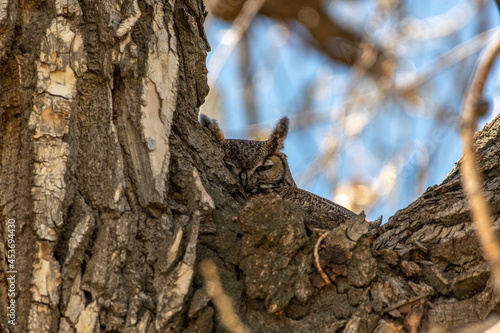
(222,302)
(470,174)
(231,38)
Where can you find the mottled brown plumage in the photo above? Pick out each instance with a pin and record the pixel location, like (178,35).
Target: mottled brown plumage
(261,167)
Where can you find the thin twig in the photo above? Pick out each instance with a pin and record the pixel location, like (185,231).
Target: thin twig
(445,60)
(444,24)
(228,317)
(248,86)
(227,44)
(231,38)
(471,177)
(404,302)
(316,258)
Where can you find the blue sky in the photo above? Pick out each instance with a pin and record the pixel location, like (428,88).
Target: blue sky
(396,133)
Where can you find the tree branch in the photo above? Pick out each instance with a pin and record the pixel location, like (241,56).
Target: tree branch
(470,175)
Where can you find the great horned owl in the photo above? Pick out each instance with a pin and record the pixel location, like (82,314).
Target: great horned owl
(261,167)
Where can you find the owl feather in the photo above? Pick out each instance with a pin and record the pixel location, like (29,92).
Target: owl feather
(261,167)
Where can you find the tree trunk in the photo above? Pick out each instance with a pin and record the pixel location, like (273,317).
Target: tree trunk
(112,193)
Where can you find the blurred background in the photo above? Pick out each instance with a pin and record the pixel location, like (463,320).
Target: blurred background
(373,88)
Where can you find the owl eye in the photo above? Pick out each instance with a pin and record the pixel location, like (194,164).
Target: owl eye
(264,167)
(229,166)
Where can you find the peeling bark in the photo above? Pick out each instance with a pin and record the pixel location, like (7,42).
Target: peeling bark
(88,95)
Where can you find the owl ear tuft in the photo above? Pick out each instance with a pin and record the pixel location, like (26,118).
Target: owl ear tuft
(213,126)
(276,140)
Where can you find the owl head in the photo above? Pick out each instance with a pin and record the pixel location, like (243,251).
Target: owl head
(260,166)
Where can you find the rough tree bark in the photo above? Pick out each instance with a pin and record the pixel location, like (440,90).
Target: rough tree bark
(116,194)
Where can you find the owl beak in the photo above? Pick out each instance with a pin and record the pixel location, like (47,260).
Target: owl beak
(244,180)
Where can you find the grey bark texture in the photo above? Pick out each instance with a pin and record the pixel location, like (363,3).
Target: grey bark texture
(118,194)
